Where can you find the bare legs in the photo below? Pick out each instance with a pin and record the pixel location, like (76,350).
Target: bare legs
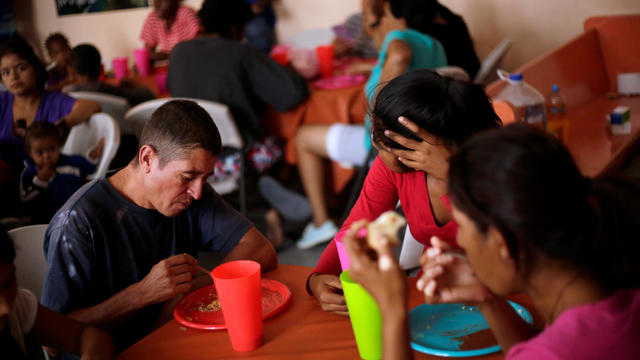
(312,150)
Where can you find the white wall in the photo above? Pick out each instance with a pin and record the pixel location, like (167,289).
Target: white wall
(535,26)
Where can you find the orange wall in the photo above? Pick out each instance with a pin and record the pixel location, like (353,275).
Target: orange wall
(116,33)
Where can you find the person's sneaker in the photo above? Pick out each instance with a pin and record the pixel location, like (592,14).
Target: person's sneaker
(312,236)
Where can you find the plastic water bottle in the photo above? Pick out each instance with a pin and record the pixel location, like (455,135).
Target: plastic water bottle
(529,103)
(557,123)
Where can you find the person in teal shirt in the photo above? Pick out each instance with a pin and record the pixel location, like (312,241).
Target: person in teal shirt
(400,49)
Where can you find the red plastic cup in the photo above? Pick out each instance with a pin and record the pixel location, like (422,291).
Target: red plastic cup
(280,53)
(325,60)
(141,56)
(120,67)
(238,287)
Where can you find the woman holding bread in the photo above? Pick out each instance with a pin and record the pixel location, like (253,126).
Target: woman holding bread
(572,255)
(412,163)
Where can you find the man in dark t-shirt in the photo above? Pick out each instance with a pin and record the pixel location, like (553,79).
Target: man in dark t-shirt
(121,252)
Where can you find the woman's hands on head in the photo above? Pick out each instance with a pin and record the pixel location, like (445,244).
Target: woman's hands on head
(376,270)
(448,277)
(429,155)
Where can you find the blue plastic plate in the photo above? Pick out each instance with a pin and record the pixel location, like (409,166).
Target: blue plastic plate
(438,329)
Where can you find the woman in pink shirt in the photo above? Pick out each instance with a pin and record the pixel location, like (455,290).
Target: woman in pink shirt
(445,112)
(528,222)
(168,24)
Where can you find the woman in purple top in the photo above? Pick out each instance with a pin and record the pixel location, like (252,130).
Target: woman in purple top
(528,222)
(27,102)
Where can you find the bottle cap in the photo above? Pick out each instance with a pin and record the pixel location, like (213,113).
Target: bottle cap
(515,77)
(555,88)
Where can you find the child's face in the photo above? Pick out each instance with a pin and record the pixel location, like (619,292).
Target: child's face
(44,151)
(60,53)
(8,290)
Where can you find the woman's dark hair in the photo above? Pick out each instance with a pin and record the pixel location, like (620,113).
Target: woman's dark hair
(222,16)
(23,50)
(7,251)
(452,110)
(418,14)
(524,183)
(85,60)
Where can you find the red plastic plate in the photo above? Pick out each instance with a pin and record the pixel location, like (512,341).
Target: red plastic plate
(275,297)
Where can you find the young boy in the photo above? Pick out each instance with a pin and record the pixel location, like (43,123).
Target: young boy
(25,324)
(50,178)
(85,66)
(59,51)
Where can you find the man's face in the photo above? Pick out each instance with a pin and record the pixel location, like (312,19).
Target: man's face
(171,189)
(44,151)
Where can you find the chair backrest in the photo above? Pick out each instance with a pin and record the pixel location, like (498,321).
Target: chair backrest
(116,106)
(31,266)
(220,114)
(491,63)
(84,137)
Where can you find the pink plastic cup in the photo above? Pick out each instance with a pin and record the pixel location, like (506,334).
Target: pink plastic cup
(141,56)
(325,60)
(120,67)
(238,286)
(161,81)
(342,254)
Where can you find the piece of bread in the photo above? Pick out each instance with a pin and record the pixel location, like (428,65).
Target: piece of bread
(388,225)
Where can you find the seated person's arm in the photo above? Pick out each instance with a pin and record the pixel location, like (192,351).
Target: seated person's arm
(167,279)
(58,331)
(272,83)
(254,246)
(397,60)
(156,55)
(81,112)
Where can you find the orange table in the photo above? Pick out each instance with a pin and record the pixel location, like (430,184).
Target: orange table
(591,144)
(346,105)
(302,331)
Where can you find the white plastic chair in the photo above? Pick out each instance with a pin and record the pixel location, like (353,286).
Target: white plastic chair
(116,106)
(454,72)
(310,39)
(31,266)
(491,63)
(84,137)
(229,135)
(410,252)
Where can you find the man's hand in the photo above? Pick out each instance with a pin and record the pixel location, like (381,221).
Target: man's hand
(167,279)
(429,155)
(327,289)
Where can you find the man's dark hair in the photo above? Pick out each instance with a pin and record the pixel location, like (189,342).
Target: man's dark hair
(40,130)
(56,37)
(85,60)
(452,110)
(24,51)
(178,127)
(222,16)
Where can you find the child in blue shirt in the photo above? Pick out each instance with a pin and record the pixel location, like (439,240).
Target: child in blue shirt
(50,178)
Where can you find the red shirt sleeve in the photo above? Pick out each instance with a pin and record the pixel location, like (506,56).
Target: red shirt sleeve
(379,194)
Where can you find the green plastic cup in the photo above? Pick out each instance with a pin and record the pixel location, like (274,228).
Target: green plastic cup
(365,318)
